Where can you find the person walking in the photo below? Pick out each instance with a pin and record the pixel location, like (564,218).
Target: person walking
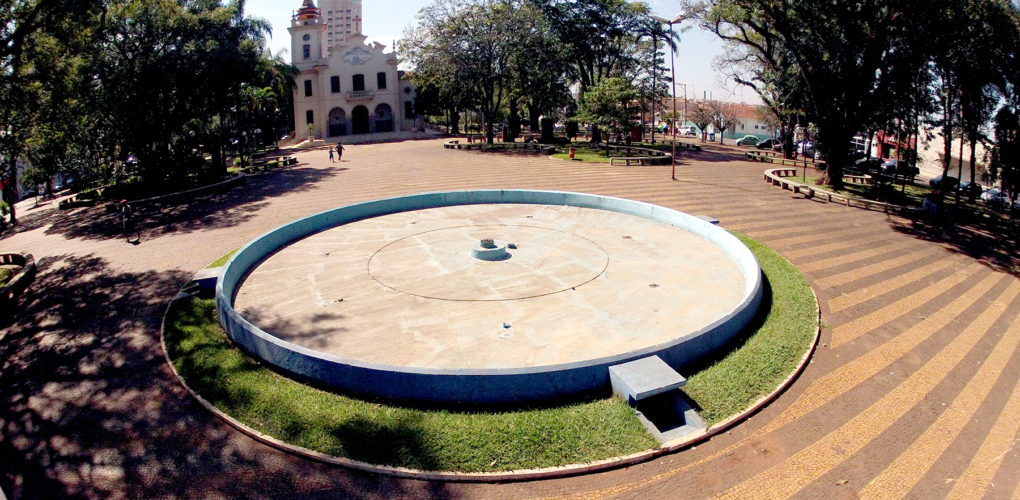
(331,155)
(339,152)
(127,222)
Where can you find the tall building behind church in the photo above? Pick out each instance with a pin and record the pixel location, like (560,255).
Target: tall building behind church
(343,20)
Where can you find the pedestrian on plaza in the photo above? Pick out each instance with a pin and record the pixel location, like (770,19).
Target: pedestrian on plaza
(339,152)
(331,155)
(127,222)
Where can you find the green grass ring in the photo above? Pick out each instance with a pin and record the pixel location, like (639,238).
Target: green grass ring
(751,367)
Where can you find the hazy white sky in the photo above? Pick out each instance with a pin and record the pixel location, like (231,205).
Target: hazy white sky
(385,21)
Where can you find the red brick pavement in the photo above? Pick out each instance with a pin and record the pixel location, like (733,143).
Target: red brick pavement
(895,402)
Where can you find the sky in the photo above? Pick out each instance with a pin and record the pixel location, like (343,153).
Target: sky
(386,20)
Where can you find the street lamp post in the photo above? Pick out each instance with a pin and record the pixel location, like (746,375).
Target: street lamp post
(672,75)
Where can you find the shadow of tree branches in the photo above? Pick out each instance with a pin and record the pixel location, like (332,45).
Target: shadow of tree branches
(89,409)
(229,207)
(992,241)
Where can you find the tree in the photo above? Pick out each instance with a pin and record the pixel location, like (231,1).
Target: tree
(1005,164)
(723,117)
(700,113)
(651,76)
(474,49)
(597,37)
(989,44)
(539,81)
(837,51)
(22,25)
(610,104)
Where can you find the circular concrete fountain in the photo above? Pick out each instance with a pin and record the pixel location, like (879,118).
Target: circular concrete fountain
(402,299)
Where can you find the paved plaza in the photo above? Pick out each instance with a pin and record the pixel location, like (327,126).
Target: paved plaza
(914,389)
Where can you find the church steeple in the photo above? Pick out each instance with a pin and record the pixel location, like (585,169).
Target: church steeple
(306,31)
(308,14)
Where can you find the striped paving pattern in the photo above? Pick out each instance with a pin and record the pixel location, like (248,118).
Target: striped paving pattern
(913,391)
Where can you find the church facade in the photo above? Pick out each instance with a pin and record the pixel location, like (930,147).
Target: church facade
(346,85)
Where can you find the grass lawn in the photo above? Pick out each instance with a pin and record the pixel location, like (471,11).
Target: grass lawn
(590,154)
(912,196)
(733,381)
(5,275)
(223,260)
(466,441)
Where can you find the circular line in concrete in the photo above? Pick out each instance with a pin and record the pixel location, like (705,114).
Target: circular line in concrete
(527,263)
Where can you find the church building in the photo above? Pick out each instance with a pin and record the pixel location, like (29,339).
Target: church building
(346,86)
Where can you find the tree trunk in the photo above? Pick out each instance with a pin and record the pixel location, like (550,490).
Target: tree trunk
(548,131)
(514,121)
(947,131)
(959,175)
(533,114)
(455,121)
(489,133)
(833,174)
(10,189)
(596,134)
(973,171)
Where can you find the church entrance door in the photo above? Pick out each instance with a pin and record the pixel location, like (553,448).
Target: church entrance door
(383,118)
(337,122)
(359,119)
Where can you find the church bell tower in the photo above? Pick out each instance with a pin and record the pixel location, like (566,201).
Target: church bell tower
(306,30)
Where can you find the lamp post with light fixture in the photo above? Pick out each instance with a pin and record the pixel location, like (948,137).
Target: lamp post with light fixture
(672,75)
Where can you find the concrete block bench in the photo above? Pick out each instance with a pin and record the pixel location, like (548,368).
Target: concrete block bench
(643,378)
(859,179)
(652,388)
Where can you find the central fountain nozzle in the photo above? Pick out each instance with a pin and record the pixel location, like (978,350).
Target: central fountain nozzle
(490,250)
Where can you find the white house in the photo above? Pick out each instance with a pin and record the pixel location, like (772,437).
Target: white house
(346,86)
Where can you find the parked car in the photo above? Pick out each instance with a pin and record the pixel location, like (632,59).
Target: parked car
(687,131)
(868,165)
(748,140)
(896,167)
(945,184)
(768,144)
(806,148)
(968,189)
(995,198)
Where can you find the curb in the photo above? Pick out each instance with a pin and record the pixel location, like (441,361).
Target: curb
(509,476)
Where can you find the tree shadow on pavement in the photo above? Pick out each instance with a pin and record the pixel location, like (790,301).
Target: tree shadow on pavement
(89,408)
(233,206)
(991,241)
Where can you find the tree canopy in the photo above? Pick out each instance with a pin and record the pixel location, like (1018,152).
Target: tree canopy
(497,56)
(150,90)
(852,67)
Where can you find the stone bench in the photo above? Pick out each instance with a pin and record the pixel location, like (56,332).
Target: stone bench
(859,179)
(25,275)
(631,160)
